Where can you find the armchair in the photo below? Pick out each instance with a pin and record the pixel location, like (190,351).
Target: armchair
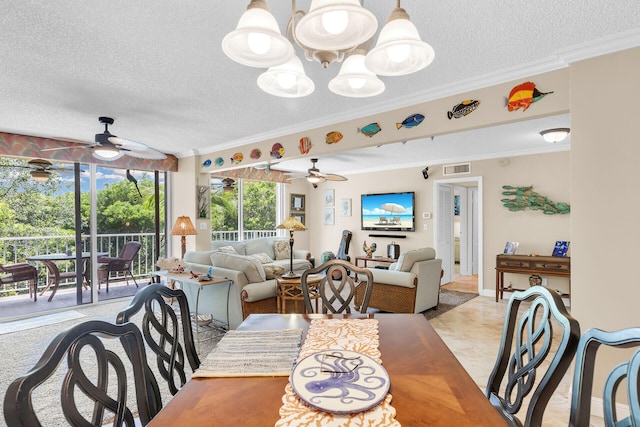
(411,285)
(20,272)
(120,264)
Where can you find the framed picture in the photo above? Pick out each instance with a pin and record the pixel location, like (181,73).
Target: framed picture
(511,248)
(297,203)
(345,207)
(329,218)
(329,199)
(203,201)
(299,217)
(560,249)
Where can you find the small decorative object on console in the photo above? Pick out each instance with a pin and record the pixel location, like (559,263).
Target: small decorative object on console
(511,248)
(173,265)
(560,249)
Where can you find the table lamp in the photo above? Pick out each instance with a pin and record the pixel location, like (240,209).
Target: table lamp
(292,225)
(183,227)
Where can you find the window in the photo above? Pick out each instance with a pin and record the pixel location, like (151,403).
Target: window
(246,211)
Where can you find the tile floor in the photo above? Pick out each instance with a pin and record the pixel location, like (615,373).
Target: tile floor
(473,331)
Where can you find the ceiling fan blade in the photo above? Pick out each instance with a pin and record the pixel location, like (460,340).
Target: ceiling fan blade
(150,154)
(335,177)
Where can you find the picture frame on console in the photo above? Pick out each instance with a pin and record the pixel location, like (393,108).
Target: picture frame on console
(299,217)
(511,248)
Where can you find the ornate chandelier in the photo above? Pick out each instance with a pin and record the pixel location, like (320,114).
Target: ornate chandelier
(331,31)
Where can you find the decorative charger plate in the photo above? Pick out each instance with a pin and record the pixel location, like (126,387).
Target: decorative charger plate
(340,381)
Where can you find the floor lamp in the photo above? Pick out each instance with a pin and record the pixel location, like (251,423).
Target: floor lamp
(292,225)
(183,227)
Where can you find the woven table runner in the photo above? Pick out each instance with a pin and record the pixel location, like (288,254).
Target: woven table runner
(359,335)
(252,354)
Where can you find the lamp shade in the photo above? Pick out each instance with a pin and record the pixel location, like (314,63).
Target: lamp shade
(292,224)
(399,50)
(355,80)
(335,25)
(257,41)
(287,80)
(183,227)
(555,135)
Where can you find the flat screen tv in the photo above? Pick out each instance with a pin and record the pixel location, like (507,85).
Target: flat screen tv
(388,211)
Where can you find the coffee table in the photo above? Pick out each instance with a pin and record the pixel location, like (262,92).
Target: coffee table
(289,289)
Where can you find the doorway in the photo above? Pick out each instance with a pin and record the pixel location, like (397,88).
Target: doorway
(458,227)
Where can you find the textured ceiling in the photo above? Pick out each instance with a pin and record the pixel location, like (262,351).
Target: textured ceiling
(157,66)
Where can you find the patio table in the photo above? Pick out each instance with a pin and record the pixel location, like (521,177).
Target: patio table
(49,260)
(428,384)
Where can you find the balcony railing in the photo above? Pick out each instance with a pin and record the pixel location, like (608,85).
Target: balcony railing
(17,249)
(246,234)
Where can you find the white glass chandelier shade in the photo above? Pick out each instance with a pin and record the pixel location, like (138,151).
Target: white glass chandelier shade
(287,80)
(555,135)
(355,80)
(257,41)
(399,50)
(335,25)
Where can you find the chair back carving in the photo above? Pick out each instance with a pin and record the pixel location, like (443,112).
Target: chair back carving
(582,389)
(343,249)
(337,288)
(87,358)
(530,338)
(161,328)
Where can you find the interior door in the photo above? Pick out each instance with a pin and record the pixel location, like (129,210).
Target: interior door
(444,243)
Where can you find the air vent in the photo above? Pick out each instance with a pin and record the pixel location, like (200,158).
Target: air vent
(457,169)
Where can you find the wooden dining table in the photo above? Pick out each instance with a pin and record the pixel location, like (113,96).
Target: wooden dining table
(428,384)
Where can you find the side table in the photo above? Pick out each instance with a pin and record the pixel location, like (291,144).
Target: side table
(199,322)
(290,290)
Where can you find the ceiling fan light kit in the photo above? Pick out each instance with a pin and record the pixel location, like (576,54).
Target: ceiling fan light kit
(40,176)
(331,31)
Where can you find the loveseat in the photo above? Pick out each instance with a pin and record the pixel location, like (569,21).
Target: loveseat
(410,285)
(252,265)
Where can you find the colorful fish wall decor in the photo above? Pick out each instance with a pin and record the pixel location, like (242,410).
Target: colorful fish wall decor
(465,107)
(277,151)
(237,158)
(219,161)
(256,153)
(523,96)
(207,163)
(411,121)
(370,129)
(305,145)
(333,137)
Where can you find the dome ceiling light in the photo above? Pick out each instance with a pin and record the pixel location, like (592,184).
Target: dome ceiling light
(331,31)
(555,135)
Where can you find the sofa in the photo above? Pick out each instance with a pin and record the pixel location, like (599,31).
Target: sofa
(410,285)
(252,265)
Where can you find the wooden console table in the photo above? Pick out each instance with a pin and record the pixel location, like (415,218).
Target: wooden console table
(524,264)
(366,259)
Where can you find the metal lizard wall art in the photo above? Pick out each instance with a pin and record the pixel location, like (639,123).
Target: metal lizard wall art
(526,198)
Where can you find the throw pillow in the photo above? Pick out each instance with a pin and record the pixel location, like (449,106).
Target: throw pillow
(227,249)
(273,270)
(263,258)
(281,249)
(407,259)
(251,267)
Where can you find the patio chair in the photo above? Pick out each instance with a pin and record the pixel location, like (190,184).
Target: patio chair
(337,288)
(18,273)
(161,330)
(534,367)
(120,264)
(582,388)
(94,389)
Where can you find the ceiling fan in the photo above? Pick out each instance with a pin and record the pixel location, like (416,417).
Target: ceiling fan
(226,184)
(109,147)
(40,169)
(316,177)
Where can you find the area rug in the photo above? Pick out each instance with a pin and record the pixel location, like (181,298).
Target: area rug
(448,301)
(39,321)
